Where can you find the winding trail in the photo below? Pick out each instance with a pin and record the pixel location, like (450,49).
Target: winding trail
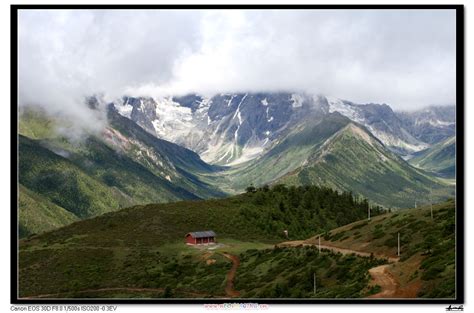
(381,275)
(384,278)
(229,286)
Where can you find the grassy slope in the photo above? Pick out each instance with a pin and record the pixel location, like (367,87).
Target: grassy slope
(37,214)
(62,182)
(181,157)
(289,273)
(354,160)
(187,169)
(93,176)
(142,247)
(440,159)
(124,248)
(120,172)
(427,246)
(287,155)
(35,125)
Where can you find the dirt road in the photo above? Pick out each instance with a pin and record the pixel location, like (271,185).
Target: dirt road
(229,286)
(381,275)
(336,249)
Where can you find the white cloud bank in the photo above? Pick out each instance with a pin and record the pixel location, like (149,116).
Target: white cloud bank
(404,58)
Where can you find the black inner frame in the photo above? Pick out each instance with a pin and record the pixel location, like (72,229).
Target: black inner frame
(460,203)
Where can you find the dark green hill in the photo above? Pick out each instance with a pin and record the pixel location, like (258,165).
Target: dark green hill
(109,250)
(120,167)
(62,182)
(37,214)
(439,159)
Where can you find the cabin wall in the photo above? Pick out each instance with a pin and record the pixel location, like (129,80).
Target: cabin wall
(198,241)
(190,240)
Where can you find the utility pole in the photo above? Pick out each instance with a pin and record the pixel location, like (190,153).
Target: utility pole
(319,243)
(368,210)
(431,201)
(314,283)
(398,252)
(415,204)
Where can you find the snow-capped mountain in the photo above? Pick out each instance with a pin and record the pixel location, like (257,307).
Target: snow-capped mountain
(230,129)
(382,122)
(432,124)
(225,129)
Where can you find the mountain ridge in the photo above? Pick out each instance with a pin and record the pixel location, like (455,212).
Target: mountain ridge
(122,166)
(353,159)
(230,129)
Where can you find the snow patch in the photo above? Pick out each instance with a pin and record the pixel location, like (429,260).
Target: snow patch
(236,133)
(124,108)
(296,100)
(433,122)
(264,102)
(174,121)
(230,100)
(237,113)
(205,102)
(337,105)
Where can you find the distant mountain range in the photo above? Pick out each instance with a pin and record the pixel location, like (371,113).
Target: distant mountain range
(192,147)
(439,159)
(431,125)
(339,153)
(230,129)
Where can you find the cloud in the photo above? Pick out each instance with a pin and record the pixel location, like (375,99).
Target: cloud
(67,56)
(404,58)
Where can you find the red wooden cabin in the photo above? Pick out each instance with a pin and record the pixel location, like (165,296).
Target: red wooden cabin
(201,238)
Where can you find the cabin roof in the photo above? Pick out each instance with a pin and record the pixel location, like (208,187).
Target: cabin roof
(202,234)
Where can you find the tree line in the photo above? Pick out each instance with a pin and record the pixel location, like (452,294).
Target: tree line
(303,211)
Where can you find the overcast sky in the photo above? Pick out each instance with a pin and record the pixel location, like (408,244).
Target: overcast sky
(403,58)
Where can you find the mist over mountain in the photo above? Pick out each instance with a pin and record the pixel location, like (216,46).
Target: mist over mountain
(235,128)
